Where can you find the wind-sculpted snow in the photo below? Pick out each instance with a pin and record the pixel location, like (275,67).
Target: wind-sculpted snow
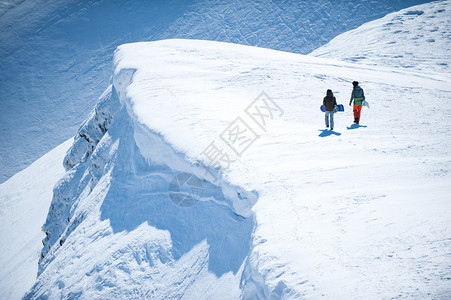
(359,212)
(92,130)
(55,56)
(296,212)
(415,38)
(119,173)
(66,192)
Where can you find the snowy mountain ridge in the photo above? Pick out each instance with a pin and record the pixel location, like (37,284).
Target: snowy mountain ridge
(91,163)
(47,44)
(300,213)
(120,234)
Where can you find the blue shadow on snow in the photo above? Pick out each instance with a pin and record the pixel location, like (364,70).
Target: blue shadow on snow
(326,132)
(139,193)
(355,126)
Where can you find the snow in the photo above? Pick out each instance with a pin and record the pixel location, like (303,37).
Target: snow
(371,180)
(24,202)
(405,39)
(55,56)
(301,212)
(359,212)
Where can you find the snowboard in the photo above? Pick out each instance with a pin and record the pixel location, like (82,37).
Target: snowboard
(339,106)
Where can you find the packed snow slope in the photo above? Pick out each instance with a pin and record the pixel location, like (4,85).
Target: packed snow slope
(55,56)
(414,38)
(295,211)
(24,203)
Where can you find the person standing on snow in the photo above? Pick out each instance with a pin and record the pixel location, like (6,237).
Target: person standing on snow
(357,96)
(329,103)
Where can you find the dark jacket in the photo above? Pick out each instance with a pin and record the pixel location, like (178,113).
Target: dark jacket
(329,101)
(357,95)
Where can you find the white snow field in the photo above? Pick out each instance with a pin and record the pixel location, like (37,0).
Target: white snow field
(361,212)
(416,38)
(24,203)
(55,56)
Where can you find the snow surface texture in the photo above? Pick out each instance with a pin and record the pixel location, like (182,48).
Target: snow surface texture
(24,202)
(55,56)
(359,212)
(405,39)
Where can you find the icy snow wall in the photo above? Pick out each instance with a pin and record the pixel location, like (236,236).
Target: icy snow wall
(112,230)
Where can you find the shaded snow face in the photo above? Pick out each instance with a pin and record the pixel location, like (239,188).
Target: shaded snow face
(112,210)
(56,57)
(139,194)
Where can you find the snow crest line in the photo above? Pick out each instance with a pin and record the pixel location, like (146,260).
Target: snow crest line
(119,171)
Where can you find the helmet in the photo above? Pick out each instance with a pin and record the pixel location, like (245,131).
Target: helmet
(355,83)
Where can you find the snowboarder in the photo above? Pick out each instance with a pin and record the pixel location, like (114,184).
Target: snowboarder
(358,97)
(329,102)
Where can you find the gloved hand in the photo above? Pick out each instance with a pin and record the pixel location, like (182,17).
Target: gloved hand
(350,103)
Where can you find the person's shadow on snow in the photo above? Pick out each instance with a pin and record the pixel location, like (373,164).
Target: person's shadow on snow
(326,132)
(355,126)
